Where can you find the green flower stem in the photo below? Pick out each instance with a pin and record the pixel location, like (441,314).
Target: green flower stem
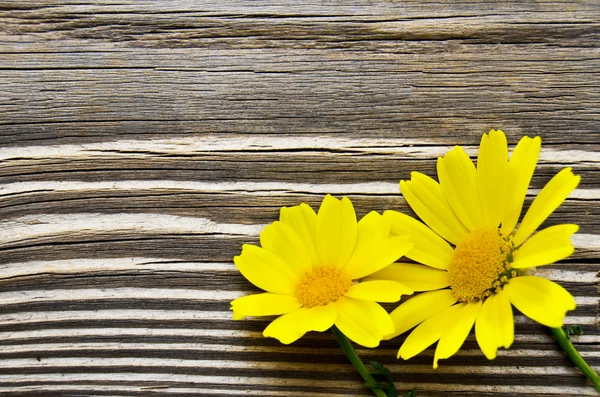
(356,361)
(567,346)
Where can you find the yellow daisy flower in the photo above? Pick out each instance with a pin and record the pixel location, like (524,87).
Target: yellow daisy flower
(490,267)
(309,265)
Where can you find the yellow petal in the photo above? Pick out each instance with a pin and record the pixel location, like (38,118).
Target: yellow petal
(378,291)
(363,322)
(320,318)
(376,257)
(494,326)
(428,332)
(549,198)
(541,300)
(456,332)
(425,197)
(287,328)
(374,248)
(545,247)
(266,304)
(419,308)
(458,181)
(492,167)
(520,170)
(281,240)
(265,270)
(414,276)
(372,227)
(336,231)
(303,220)
(429,248)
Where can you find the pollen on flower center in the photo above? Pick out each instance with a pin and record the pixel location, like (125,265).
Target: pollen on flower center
(480,265)
(322,286)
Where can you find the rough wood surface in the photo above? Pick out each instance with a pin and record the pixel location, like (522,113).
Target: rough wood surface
(142,143)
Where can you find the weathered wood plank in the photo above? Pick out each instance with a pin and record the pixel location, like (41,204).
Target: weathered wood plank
(142,143)
(365,69)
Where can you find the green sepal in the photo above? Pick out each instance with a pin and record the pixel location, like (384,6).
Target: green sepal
(412,393)
(573,330)
(387,383)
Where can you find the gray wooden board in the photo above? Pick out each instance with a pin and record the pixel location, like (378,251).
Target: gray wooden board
(142,143)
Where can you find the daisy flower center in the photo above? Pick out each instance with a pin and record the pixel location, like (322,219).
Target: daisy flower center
(480,265)
(322,286)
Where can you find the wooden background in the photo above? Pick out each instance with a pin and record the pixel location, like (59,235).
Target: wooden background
(142,143)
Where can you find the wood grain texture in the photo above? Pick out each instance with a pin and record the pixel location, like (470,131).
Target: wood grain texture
(142,143)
